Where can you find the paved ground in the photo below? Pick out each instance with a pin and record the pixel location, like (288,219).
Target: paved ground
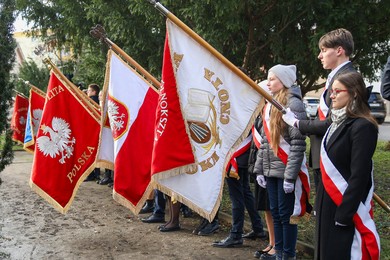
(96,227)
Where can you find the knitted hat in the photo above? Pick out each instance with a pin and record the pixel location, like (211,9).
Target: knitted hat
(287,74)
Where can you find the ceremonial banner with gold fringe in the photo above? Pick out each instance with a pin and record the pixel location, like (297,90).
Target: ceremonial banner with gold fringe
(66,143)
(19,118)
(204,113)
(34,115)
(131,104)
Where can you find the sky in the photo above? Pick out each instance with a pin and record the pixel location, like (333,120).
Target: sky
(20,24)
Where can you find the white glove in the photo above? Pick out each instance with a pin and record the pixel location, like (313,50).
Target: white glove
(288,187)
(261,181)
(290,118)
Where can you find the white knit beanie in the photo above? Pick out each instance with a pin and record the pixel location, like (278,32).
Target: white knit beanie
(287,74)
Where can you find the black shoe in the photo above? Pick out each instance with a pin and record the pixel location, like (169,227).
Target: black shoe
(111,185)
(169,229)
(253,235)
(105,181)
(229,242)
(209,229)
(201,226)
(264,251)
(267,256)
(153,219)
(148,207)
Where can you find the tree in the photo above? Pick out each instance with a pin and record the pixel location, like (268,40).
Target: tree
(29,71)
(255,34)
(7,56)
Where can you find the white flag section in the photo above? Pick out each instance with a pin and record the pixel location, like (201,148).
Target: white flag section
(219,109)
(131,106)
(105,157)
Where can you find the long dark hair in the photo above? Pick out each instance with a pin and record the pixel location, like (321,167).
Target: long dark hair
(357,105)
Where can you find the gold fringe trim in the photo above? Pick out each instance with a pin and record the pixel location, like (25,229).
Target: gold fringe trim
(175,171)
(135,209)
(52,201)
(104,164)
(177,197)
(27,149)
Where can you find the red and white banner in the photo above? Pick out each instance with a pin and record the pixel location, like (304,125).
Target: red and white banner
(204,113)
(19,118)
(302,183)
(66,144)
(366,242)
(131,106)
(34,115)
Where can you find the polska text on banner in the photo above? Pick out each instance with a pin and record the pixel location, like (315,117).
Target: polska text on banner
(34,115)
(131,106)
(66,144)
(204,113)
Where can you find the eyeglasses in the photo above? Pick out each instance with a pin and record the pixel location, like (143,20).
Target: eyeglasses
(335,92)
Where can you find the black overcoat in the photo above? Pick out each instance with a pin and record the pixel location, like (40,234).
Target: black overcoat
(350,149)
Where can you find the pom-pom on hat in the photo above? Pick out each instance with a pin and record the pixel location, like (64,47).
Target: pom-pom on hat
(287,74)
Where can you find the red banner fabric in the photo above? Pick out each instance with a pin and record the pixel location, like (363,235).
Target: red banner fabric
(19,118)
(66,148)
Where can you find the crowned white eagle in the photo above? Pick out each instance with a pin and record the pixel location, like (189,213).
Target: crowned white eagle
(36,119)
(59,140)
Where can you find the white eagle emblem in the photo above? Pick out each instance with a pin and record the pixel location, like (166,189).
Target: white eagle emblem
(59,140)
(22,120)
(116,120)
(36,119)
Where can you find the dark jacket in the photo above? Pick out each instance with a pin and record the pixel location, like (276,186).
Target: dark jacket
(267,163)
(316,128)
(385,82)
(350,149)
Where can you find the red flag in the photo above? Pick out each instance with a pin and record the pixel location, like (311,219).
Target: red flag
(19,118)
(34,115)
(131,105)
(175,147)
(66,144)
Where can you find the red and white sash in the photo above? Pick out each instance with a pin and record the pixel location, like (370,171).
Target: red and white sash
(366,244)
(302,183)
(244,146)
(323,109)
(256,137)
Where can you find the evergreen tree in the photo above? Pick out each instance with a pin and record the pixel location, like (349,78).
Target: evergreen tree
(7,56)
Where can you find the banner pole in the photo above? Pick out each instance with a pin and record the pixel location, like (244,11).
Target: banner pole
(20,94)
(381,203)
(218,55)
(99,33)
(94,108)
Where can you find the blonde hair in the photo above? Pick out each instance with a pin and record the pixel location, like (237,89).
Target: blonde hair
(277,124)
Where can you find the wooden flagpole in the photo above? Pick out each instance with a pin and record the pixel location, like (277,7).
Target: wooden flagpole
(82,97)
(218,55)
(99,33)
(40,91)
(20,94)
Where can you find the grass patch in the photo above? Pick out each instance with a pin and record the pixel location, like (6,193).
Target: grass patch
(15,146)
